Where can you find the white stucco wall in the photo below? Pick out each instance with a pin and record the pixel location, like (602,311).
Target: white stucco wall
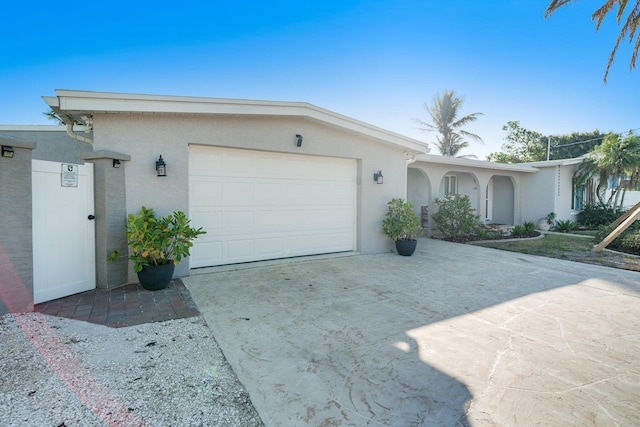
(549,190)
(472,181)
(146,136)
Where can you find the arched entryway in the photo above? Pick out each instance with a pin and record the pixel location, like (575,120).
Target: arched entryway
(500,200)
(418,189)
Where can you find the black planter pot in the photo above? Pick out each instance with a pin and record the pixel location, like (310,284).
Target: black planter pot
(156,277)
(406,247)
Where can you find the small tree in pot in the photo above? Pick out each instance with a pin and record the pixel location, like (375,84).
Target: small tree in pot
(402,225)
(157,245)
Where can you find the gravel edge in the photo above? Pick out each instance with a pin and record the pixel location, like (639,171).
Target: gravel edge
(60,372)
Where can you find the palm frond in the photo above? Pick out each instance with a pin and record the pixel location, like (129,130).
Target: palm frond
(629,27)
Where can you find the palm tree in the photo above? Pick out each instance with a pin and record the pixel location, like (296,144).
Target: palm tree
(52,115)
(615,158)
(628,28)
(444,114)
(456,144)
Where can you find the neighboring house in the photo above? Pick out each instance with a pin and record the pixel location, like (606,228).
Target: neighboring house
(265,179)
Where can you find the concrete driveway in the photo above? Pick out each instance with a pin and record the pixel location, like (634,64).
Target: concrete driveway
(454,335)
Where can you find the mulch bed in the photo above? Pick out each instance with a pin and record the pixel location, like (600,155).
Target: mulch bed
(474,238)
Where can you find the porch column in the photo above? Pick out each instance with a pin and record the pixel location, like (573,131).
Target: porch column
(111,216)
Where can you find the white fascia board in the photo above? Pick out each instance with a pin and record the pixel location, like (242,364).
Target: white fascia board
(561,162)
(454,161)
(33,128)
(80,102)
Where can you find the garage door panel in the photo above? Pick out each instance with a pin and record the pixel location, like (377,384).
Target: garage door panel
(343,194)
(267,166)
(269,246)
(269,193)
(269,220)
(209,191)
(261,205)
(205,251)
(239,220)
(236,192)
(210,221)
(206,163)
(241,249)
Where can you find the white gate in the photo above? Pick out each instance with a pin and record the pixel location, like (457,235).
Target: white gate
(63,230)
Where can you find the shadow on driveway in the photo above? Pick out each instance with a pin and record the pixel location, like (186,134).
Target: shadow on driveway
(454,335)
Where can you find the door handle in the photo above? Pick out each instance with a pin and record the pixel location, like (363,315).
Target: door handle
(91,217)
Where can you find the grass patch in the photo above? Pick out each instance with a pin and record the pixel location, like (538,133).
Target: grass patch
(568,248)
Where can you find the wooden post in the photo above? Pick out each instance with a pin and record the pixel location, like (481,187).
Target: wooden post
(625,215)
(624,222)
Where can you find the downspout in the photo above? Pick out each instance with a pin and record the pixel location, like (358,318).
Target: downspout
(410,158)
(74,135)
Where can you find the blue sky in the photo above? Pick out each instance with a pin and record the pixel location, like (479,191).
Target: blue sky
(376,61)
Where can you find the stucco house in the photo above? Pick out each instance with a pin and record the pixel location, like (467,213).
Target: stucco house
(506,194)
(266,180)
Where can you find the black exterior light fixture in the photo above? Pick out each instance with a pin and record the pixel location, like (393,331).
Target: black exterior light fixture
(378,178)
(116,163)
(7,151)
(161,167)
(298,140)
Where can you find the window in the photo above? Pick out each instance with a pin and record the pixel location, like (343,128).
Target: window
(578,197)
(450,184)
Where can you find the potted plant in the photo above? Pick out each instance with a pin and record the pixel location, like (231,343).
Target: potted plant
(402,225)
(157,245)
(546,223)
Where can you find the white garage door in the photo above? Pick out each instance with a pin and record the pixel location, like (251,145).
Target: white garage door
(259,205)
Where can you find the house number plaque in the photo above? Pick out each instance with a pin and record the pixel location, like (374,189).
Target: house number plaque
(69,175)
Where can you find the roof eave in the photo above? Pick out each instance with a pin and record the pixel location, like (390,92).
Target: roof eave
(454,161)
(71,105)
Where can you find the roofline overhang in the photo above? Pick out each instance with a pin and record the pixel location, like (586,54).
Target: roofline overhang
(560,162)
(455,161)
(72,105)
(37,128)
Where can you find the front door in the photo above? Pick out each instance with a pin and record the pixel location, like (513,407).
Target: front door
(63,230)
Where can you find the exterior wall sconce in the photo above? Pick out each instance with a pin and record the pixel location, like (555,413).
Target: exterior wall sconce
(161,167)
(378,178)
(116,163)
(298,140)
(7,151)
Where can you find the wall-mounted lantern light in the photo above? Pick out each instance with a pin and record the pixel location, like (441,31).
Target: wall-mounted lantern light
(298,140)
(7,151)
(161,167)
(378,178)
(116,163)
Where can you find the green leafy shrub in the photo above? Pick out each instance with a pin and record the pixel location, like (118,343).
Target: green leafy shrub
(594,216)
(565,225)
(483,234)
(529,227)
(401,222)
(518,230)
(455,216)
(602,233)
(630,242)
(551,216)
(157,241)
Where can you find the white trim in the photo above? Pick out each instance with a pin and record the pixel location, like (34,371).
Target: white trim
(521,167)
(31,128)
(78,103)
(39,128)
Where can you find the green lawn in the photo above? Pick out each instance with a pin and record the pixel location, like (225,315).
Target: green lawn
(566,247)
